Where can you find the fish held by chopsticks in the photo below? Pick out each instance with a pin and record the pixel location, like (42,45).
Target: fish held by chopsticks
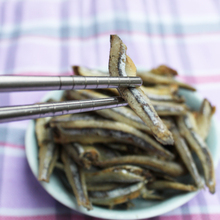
(121,65)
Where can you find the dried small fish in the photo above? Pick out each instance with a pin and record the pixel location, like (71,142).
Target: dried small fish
(89,186)
(105,131)
(119,174)
(171,89)
(62,177)
(84,71)
(86,155)
(164,70)
(116,196)
(186,156)
(169,108)
(75,117)
(127,149)
(149,77)
(82,155)
(163,176)
(48,155)
(200,148)
(106,153)
(43,133)
(121,65)
(59,166)
(149,194)
(167,167)
(48,151)
(160,96)
(203,118)
(121,147)
(103,186)
(163,184)
(76,179)
(109,91)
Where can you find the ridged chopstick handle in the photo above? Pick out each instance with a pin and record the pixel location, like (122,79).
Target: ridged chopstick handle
(40,83)
(41,110)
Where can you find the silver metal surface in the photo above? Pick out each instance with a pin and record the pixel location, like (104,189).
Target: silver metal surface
(16,113)
(40,83)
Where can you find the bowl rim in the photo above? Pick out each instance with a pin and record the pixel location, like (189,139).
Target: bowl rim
(162,207)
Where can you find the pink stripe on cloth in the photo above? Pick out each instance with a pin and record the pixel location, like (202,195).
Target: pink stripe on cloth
(37,73)
(49,217)
(191,217)
(12,145)
(83,217)
(200,79)
(144,34)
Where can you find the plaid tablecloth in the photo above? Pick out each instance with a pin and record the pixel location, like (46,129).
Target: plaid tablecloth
(47,37)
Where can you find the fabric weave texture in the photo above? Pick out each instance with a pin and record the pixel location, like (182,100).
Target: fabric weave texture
(47,37)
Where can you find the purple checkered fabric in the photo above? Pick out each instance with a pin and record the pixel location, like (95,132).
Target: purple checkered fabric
(47,37)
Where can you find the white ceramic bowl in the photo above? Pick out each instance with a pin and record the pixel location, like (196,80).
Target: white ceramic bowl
(142,209)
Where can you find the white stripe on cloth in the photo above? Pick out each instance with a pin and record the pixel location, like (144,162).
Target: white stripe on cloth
(104,17)
(126,35)
(12,151)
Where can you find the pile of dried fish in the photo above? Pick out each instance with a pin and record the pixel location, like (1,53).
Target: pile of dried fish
(112,156)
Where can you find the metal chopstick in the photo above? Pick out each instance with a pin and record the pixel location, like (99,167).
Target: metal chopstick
(16,113)
(39,83)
